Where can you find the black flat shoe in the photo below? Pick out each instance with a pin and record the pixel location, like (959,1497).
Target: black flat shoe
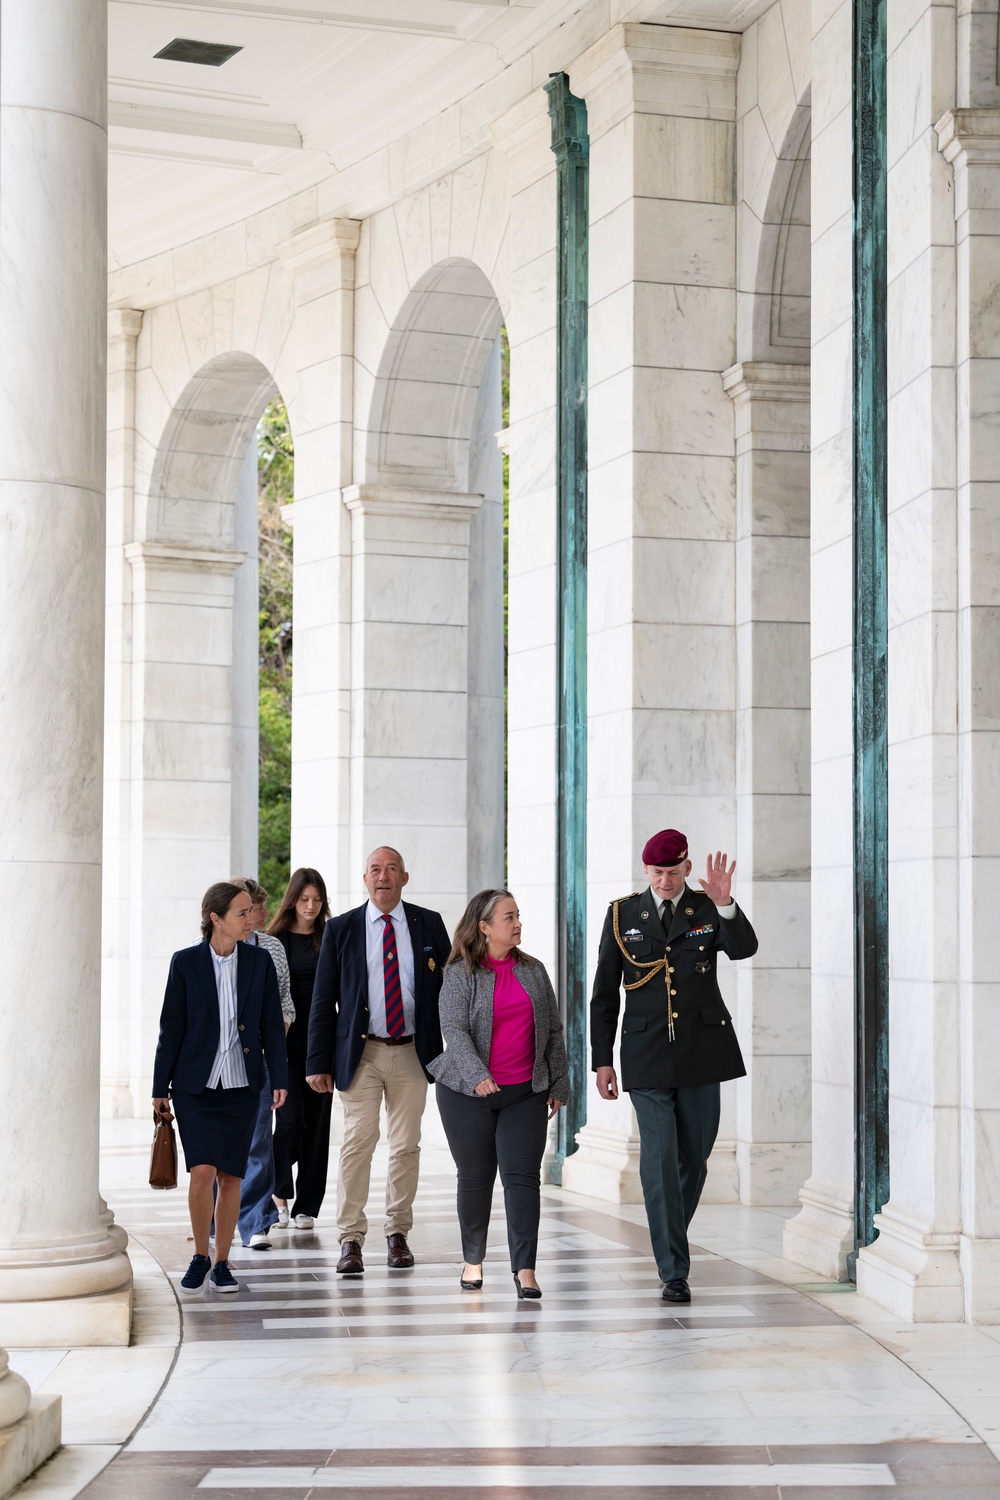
(676,1290)
(470,1286)
(526,1293)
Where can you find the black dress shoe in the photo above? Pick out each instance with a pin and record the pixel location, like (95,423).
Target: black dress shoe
(470,1286)
(526,1293)
(399,1256)
(676,1290)
(350,1262)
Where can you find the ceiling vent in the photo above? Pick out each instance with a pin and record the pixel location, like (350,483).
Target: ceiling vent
(209,54)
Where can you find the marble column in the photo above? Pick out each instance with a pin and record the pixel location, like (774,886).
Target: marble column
(970,140)
(773,1148)
(321,258)
(63,1278)
(409,684)
(821,1234)
(661,107)
(124,326)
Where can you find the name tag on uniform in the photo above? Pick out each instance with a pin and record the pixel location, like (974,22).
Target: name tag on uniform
(633,934)
(699,931)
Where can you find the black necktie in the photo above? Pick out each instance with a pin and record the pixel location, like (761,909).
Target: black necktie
(668,915)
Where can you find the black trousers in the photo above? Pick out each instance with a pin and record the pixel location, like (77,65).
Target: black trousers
(302,1135)
(505,1130)
(677,1130)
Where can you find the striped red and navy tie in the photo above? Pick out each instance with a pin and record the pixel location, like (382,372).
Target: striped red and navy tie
(395,1022)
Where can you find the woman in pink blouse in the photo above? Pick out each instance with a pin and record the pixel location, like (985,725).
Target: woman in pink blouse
(501,1078)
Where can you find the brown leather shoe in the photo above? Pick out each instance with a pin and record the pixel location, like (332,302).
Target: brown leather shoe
(350,1262)
(400,1256)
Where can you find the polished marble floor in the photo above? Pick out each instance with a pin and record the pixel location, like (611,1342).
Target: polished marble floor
(770,1384)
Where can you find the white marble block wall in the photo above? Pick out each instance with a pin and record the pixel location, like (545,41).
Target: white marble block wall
(661,108)
(320,262)
(913,1266)
(244,776)
(523,137)
(409,683)
(970,140)
(822,1233)
(486,814)
(772,775)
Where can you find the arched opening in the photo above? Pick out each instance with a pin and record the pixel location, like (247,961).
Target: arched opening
(428,591)
(190,795)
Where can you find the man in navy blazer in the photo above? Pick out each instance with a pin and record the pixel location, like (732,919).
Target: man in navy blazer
(373,1029)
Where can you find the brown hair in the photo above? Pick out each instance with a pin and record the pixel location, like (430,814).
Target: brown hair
(218,899)
(253,888)
(470,944)
(285,915)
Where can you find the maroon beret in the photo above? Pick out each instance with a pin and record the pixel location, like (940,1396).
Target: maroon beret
(668,847)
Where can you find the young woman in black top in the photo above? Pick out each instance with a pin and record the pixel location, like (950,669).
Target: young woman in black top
(302,1129)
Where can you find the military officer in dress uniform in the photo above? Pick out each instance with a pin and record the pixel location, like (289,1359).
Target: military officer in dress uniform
(678,1043)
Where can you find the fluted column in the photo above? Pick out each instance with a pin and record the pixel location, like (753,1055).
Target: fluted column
(63,1278)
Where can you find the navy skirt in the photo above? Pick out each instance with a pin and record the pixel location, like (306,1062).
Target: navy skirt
(216,1127)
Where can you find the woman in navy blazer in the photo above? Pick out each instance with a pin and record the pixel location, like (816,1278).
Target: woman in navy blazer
(221,1018)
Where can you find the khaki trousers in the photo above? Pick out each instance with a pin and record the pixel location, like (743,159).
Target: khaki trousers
(395,1074)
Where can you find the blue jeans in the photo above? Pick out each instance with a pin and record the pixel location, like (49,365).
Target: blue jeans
(257,1210)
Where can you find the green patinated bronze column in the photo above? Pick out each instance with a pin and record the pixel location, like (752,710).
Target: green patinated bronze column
(571,145)
(871,622)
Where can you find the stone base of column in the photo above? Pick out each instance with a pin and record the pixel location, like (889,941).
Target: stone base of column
(980,1262)
(605,1165)
(723,1182)
(914,1274)
(97,1322)
(821,1235)
(25,1446)
(773,1175)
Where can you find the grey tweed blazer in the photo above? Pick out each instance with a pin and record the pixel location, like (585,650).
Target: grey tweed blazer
(467,1027)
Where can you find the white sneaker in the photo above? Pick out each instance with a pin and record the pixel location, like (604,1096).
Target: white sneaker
(282,1218)
(259,1241)
(305,1221)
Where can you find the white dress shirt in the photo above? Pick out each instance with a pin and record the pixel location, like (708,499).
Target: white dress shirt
(229,1068)
(665,911)
(375,927)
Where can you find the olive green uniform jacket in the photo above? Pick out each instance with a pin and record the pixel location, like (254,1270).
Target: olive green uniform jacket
(673,1034)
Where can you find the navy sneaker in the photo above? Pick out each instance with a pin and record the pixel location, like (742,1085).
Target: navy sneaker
(194,1277)
(222,1278)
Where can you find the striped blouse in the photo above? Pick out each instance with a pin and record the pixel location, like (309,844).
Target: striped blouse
(229,1069)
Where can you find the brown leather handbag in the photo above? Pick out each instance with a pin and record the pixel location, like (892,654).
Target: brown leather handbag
(163,1156)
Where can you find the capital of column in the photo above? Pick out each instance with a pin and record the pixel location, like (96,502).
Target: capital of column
(762,380)
(166,556)
(330,246)
(124,324)
(413,512)
(641,69)
(758,387)
(969,138)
